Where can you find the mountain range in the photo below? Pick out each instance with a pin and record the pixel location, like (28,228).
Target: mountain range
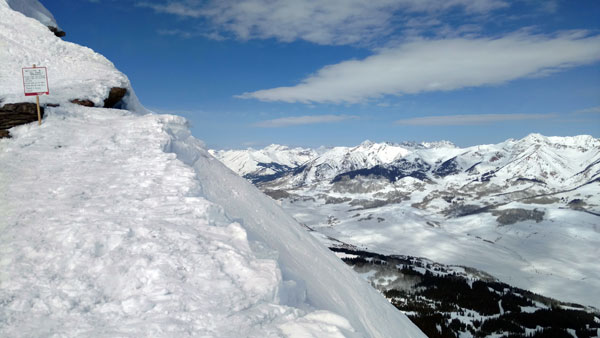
(527,210)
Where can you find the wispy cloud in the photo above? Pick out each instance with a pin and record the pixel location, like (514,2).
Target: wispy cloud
(302,120)
(591,110)
(440,65)
(179,8)
(465,120)
(332,22)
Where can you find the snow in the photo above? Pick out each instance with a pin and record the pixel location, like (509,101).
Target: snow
(74,72)
(122,241)
(334,288)
(247,161)
(556,257)
(114,223)
(33,9)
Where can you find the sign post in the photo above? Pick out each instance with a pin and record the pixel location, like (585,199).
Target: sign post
(35,82)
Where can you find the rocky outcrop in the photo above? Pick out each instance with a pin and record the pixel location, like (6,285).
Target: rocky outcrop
(57,31)
(113,100)
(115,96)
(85,103)
(16,114)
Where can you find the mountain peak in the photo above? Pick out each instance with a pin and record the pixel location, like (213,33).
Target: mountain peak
(366,143)
(535,137)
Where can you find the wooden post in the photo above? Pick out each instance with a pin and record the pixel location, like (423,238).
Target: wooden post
(37,101)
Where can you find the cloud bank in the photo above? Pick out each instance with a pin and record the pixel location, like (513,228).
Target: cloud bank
(440,65)
(302,120)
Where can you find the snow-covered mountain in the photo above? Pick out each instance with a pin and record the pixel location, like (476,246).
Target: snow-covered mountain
(558,162)
(267,163)
(526,211)
(117,222)
(307,166)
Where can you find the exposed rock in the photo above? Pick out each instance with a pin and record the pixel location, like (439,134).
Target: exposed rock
(86,103)
(400,169)
(57,31)
(16,114)
(115,96)
(449,167)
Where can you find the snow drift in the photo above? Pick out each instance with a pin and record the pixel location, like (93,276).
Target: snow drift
(114,223)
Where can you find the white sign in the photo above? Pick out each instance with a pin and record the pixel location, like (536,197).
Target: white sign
(35,81)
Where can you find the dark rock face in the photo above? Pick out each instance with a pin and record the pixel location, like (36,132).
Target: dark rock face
(398,170)
(449,167)
(279,169)
(57,31)
(85,103)
(115,96)
(113,100)
(16,114)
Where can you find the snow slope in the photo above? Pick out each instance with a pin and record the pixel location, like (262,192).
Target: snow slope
(114,223)
(106,231)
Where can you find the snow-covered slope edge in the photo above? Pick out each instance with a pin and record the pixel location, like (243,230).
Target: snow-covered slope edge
(125,238)
(304,261)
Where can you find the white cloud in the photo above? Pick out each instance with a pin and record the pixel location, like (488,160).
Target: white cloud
(464,120)
(440,65)
(301,120)
(331,22)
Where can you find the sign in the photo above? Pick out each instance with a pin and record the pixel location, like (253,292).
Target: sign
(35,81)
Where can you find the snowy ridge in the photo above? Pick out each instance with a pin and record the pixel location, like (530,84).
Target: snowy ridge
(319,164)
(558,162)
(119,224)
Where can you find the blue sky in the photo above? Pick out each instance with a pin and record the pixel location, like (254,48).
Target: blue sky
(338,72)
